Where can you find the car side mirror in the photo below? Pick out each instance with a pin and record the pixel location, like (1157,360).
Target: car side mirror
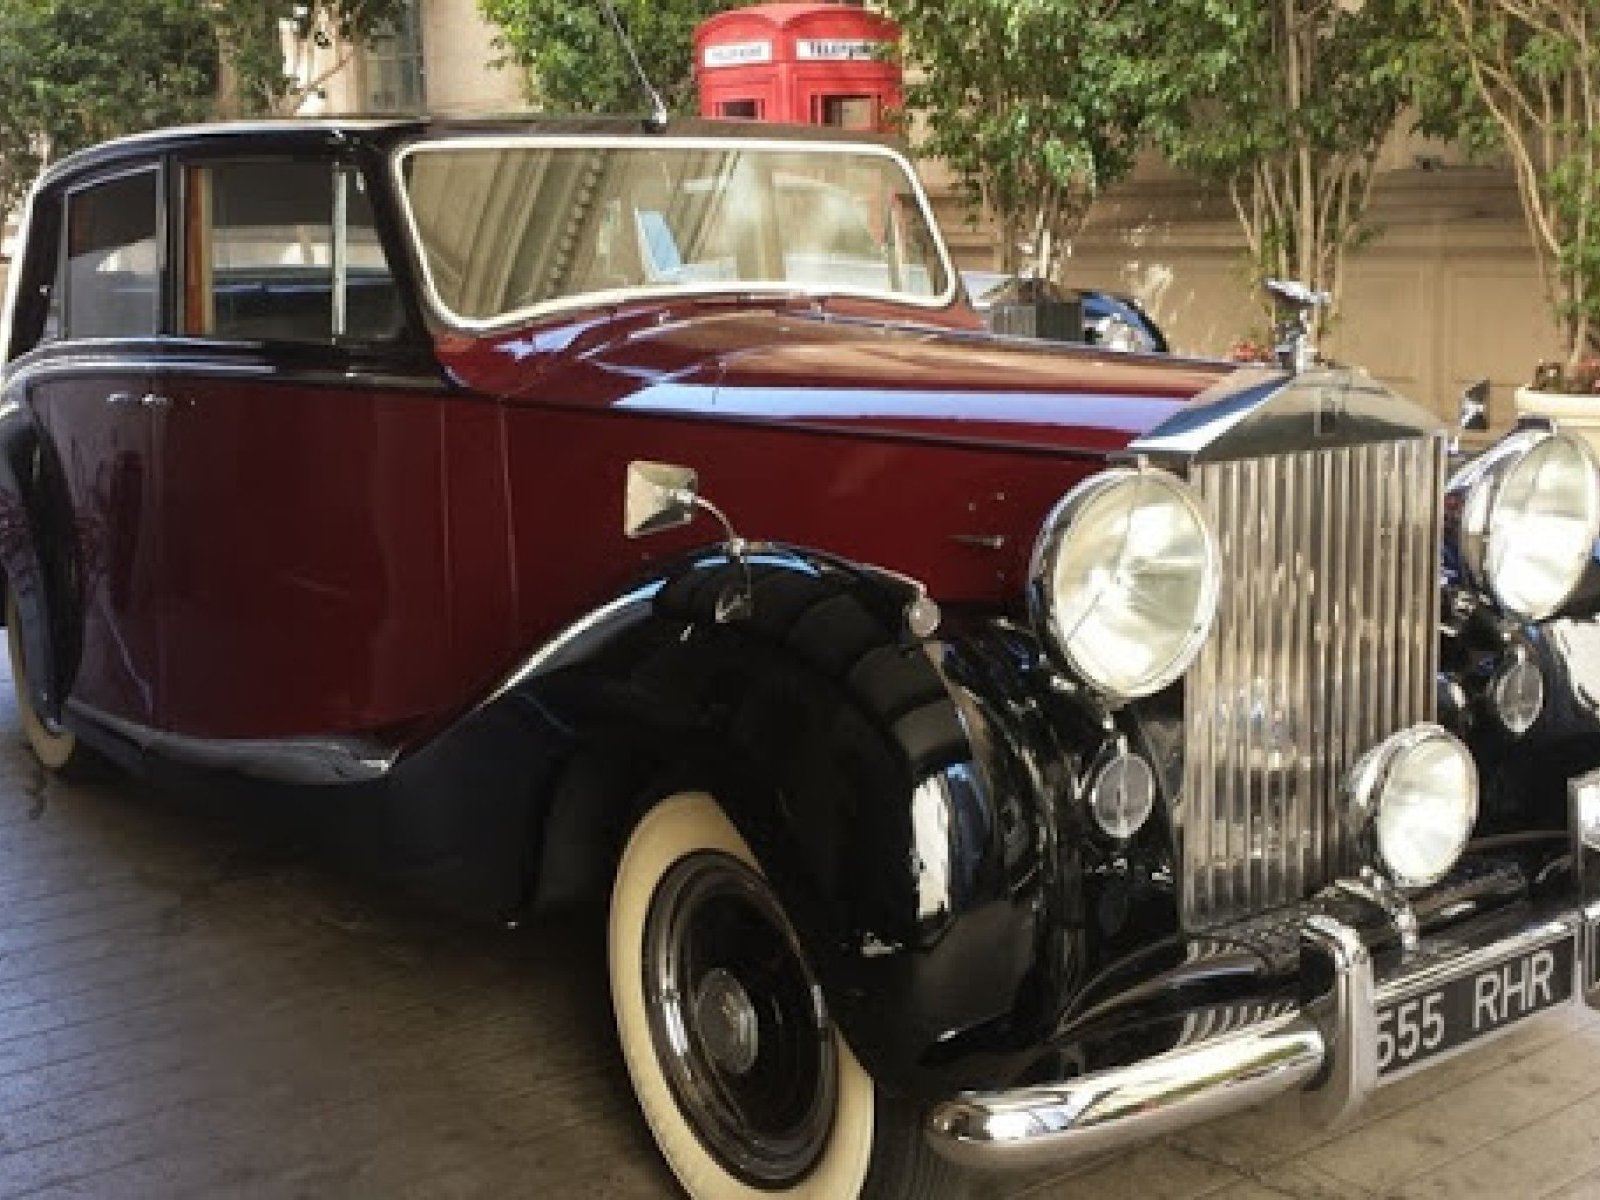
(659,496)
(1474,416)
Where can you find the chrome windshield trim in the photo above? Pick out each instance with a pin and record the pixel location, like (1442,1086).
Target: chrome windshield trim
(562,304)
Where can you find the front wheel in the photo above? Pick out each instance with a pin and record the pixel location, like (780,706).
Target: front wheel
(749,1090)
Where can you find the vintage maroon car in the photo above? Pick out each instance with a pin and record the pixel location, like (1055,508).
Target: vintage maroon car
(995,753)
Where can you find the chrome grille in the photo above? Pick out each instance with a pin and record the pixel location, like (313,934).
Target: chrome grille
(1325,643)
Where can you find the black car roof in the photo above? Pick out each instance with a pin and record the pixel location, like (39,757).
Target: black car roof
(382,134)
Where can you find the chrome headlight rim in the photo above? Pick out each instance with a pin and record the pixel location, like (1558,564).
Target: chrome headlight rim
(1370,779)
(1043,610)
(1481,505)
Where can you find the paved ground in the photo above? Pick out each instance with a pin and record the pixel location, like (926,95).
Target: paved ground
(191,1007)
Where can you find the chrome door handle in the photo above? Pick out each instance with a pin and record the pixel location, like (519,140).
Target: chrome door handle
(122,398)
(153,400)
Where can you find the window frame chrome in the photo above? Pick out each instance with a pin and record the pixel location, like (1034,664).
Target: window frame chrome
(657,292)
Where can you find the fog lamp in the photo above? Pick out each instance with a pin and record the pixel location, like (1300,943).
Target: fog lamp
(1123,795)
(1414,801)
(1516,693)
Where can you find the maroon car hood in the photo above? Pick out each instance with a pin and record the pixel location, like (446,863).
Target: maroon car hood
(801,368)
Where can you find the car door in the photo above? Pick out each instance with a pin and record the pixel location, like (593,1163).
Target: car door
(302,476)
(90,387)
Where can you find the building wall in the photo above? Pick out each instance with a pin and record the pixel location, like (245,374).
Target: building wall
(459,51)
(1448,293)
(461,71)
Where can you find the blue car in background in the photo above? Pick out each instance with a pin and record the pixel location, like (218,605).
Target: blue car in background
(1118,322)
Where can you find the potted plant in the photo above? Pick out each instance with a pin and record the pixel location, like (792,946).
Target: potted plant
(1533,69)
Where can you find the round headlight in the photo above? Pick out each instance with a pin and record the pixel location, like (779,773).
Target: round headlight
(1416,796)
(1124,581)
(1530,523)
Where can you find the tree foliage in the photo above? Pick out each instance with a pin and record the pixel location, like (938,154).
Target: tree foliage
(1287,103)
(1036,105)
(321,36)
(75,72)
(576,63)
(1534,71)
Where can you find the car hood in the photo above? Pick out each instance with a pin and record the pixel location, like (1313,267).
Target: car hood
(805,368)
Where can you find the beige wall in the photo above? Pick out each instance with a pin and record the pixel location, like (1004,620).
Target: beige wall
(458,51)
(460,75)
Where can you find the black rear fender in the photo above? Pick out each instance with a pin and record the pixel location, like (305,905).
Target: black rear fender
(38,553)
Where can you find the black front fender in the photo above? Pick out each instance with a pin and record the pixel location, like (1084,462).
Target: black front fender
(896,811)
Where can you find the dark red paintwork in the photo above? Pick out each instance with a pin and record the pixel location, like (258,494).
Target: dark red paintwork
(373,560)
(319,550)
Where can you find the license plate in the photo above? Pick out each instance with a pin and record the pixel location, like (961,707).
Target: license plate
(1425,1025)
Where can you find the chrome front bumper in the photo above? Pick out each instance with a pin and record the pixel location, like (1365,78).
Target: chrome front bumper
(1327,1051)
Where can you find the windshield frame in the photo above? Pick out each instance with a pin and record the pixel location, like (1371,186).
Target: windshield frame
(664,291)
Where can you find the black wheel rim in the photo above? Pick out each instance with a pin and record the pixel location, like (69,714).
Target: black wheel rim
(738,1024)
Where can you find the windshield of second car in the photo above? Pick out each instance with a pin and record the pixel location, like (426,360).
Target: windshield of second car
(510,229)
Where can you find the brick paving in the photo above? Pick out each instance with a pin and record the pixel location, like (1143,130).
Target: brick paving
(194,1005)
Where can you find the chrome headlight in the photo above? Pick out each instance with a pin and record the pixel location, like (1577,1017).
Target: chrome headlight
(1415,799)
(1124,581)
(1530,522)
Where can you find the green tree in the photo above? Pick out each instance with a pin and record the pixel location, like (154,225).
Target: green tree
(321,36)
(1287,103)
(75,72)
(576,64)
(1533,73)
(1036,105)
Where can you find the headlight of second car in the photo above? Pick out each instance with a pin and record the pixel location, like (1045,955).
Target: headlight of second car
(1530,522)
(1124,581)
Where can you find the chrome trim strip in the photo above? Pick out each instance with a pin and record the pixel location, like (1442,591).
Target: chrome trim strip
(341,248)
(300,760)
(108,362)
(648,141)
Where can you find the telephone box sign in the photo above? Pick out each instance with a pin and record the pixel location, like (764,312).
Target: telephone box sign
(737,54)
(836,50)
(811,63)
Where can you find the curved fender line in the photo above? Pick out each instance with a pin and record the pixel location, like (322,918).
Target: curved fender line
(571,644)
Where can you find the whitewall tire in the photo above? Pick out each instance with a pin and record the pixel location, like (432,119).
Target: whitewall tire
(683,860)
(56,749)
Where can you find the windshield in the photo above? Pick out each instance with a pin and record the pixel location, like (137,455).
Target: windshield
(509,228)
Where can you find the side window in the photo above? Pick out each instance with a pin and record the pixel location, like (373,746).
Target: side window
(284,251)
(112,262)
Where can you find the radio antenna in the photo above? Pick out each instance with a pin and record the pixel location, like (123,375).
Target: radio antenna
(657,120)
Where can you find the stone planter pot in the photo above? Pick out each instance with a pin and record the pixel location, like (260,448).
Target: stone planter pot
(1572,412)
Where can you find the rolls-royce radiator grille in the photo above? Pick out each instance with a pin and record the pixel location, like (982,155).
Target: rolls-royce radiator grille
(1325,643)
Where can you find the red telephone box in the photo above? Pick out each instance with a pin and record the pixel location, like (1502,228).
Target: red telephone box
(813,64)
